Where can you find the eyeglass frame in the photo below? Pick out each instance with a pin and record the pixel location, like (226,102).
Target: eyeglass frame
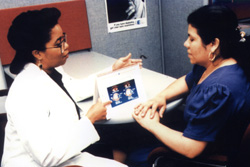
(61,44)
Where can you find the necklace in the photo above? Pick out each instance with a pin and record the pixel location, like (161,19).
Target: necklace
(209,70)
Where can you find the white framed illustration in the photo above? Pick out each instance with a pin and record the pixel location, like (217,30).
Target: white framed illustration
(125,14)
(123,87)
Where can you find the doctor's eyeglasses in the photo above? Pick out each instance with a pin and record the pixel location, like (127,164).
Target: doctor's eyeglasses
(60,43)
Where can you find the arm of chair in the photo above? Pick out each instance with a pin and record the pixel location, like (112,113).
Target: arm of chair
(157,152)
(4,92)
(163,155)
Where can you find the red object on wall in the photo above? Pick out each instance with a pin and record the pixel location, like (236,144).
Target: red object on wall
(73,20)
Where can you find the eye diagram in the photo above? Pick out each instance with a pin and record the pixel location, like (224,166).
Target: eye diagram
(122,92)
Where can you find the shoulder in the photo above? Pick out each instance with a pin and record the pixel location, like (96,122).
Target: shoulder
(30,71)
(30,78)
(228,84)
(215,93)
(231,76)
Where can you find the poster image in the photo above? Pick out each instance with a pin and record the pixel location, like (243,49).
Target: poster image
(125,14)
(122,93)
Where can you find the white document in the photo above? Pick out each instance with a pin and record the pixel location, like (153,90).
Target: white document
(123,87)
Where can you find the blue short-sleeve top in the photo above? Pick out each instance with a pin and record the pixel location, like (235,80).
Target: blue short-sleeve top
(217,108)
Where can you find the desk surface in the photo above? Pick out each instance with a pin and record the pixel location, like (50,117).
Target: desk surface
(81,64)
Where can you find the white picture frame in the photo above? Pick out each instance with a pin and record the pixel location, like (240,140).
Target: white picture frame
(125,15)
(123,87)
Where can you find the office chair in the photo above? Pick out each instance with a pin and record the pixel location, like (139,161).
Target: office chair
(3,121)
(162,157)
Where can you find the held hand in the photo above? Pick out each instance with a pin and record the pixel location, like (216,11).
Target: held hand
(147,122)
(131,11)
(151,106)
(126,61)
(97,111)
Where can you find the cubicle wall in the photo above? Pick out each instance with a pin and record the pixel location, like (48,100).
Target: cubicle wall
(145,41)
(175,33)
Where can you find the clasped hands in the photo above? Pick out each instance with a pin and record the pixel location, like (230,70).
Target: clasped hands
(146,114)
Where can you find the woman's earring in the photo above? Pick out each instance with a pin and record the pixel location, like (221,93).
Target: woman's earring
(40,65)
(242,35)
(211,58)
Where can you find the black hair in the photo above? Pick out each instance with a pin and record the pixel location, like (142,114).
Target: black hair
(30,31)
(218,21)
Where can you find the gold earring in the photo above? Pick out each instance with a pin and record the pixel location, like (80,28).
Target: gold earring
(213,58)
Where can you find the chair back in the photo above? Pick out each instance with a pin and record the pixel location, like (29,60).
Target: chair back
(161,156)
(3,84)
(3,121)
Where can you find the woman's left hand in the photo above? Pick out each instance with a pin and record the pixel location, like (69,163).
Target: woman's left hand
(126,61)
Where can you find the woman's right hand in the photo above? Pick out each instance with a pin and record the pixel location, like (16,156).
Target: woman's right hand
(157,103)
(98,111)
(147,122)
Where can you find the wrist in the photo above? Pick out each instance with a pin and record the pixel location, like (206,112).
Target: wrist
(92,120)
(153,126)
(162,96)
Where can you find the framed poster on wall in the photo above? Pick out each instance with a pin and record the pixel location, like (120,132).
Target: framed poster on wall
(125,14)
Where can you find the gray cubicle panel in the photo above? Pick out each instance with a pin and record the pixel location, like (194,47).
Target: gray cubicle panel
(163,47)
(143,41)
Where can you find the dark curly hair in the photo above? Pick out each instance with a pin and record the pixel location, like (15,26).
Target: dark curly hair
(30,31)
(218,21)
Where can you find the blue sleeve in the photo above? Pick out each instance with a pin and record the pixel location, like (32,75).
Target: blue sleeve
(206,113)
(194,76)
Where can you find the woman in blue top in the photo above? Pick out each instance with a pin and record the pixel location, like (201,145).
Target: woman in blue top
(218,102)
